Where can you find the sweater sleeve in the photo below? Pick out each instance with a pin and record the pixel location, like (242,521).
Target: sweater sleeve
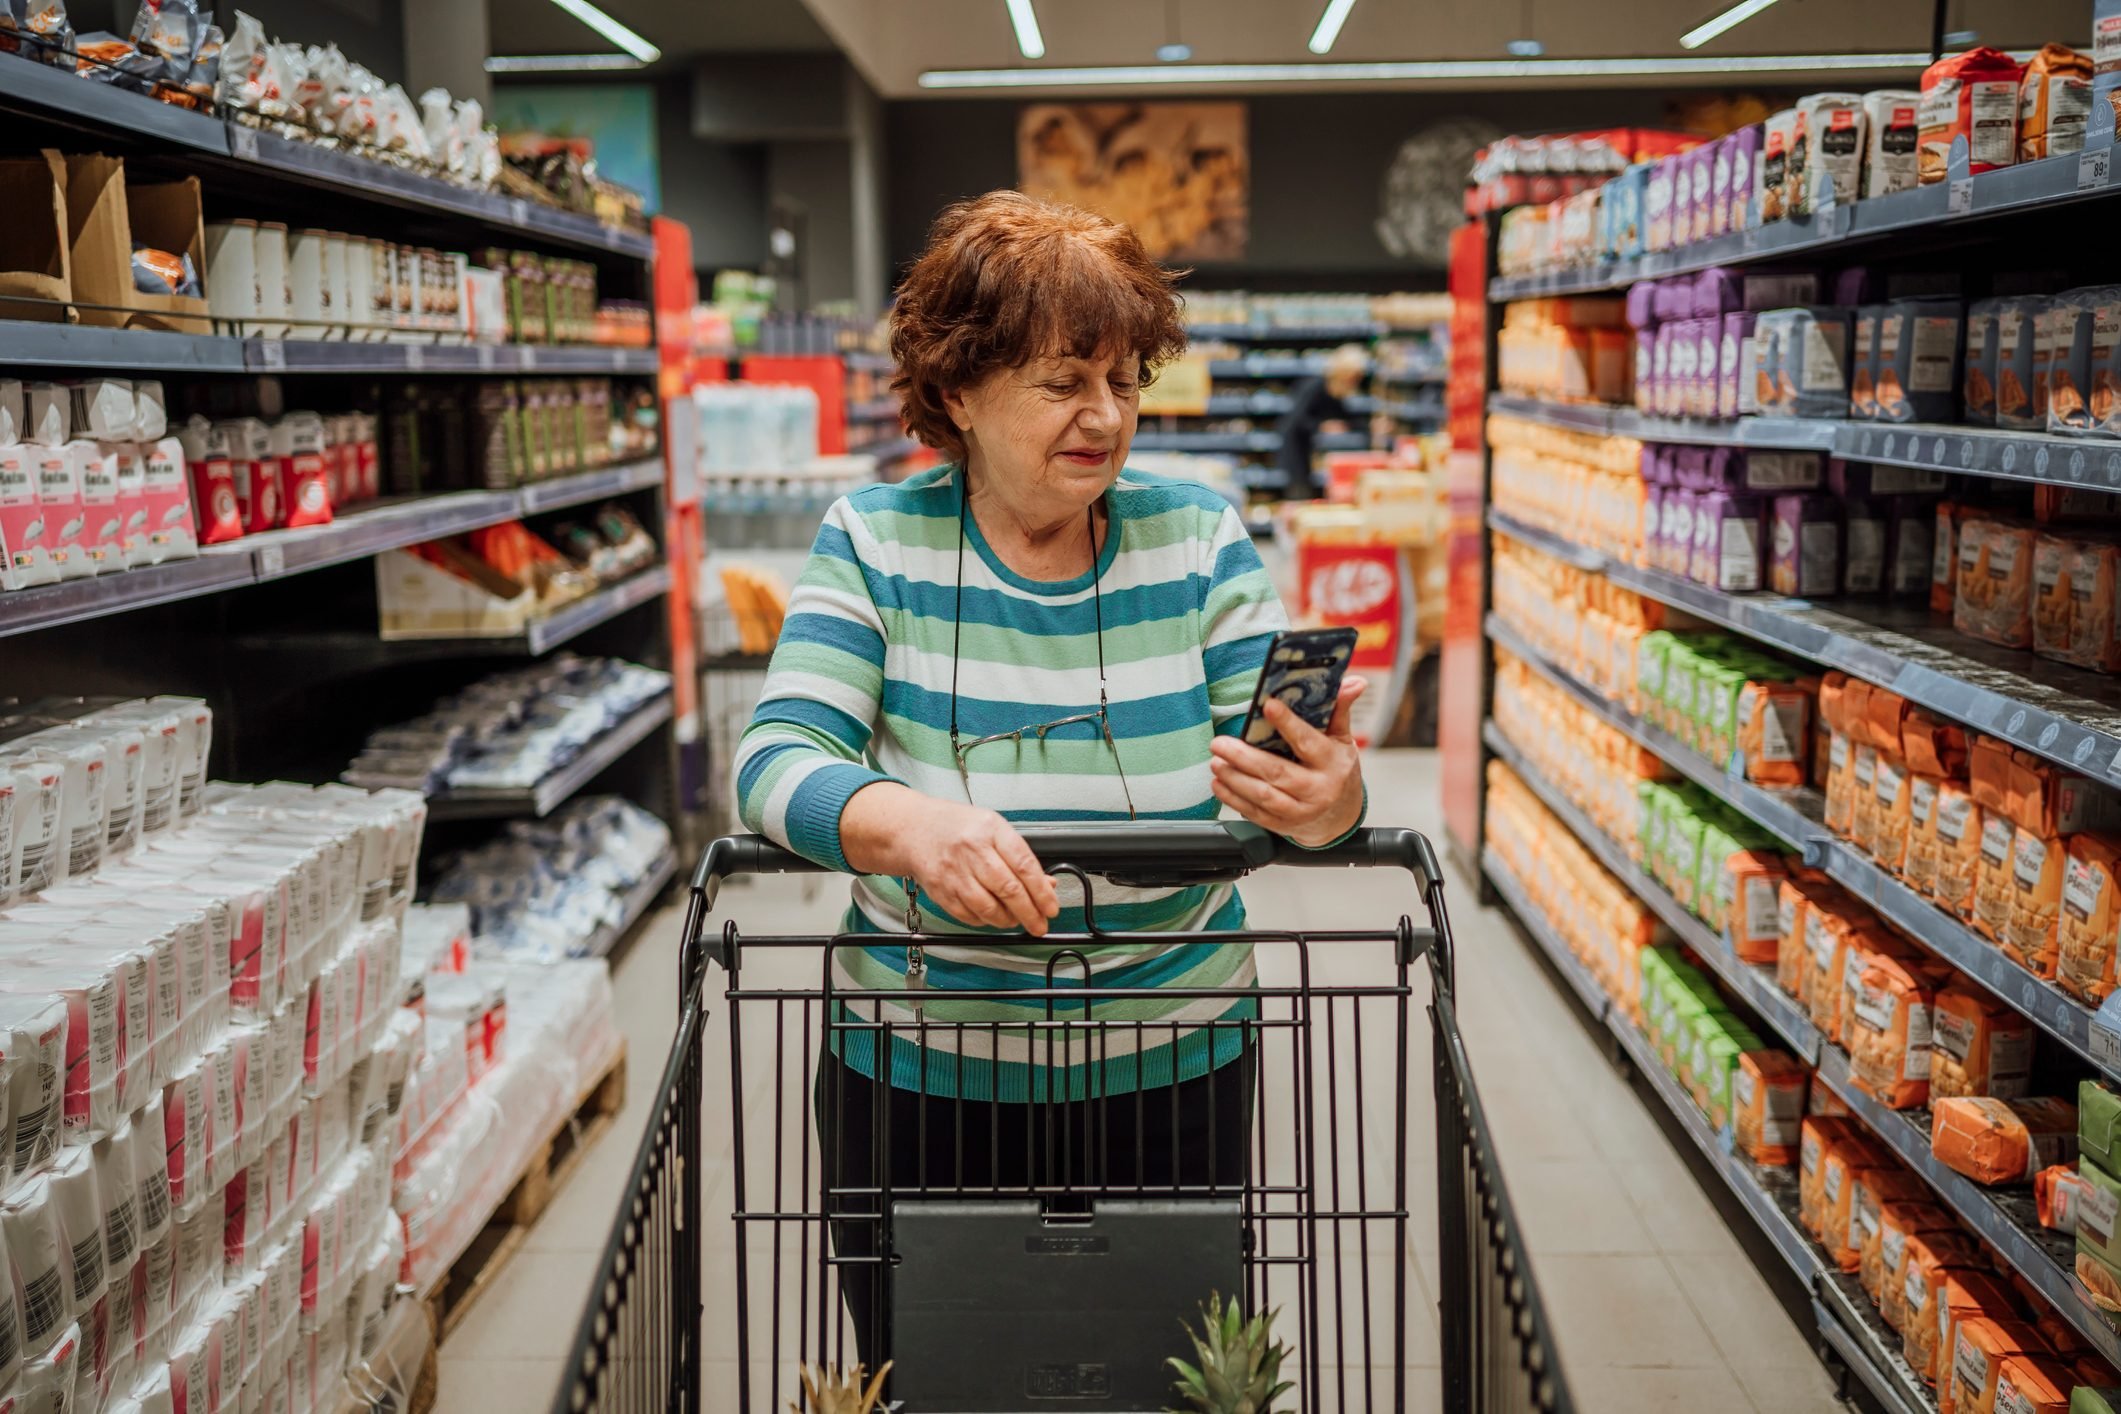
(1240,614)
(804,754)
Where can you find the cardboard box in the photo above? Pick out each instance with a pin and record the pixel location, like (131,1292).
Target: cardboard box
(105,219)
(416,598)
(35,259)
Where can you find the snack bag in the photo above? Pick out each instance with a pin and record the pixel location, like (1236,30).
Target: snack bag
(1957,1296)
(1978,1046)
(1993,876)
(1960,830)
(1817,1134)
(1885,1247)
(1995,1141)
(1856,1226)
(2090,917)
(1915,1297)
(1919,865)
(1974,96)
(1980,1345)
(1767,1106)
(1992,599)
(2054,103)
(1890,1034)
(2058,1193)
(2035,900)
(2033,1383)
(1774,729)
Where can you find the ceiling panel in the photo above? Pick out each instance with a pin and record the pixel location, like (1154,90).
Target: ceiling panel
(894,40)
(682,29)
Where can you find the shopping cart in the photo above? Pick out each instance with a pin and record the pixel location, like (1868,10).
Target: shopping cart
(1036,1248)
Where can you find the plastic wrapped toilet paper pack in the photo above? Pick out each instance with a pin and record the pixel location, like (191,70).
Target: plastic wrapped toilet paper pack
(79,1206)
(29,1221)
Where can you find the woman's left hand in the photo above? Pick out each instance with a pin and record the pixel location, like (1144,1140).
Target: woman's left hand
(1312,800)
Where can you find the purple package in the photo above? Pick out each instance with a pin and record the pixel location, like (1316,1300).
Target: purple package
(1674,299)
(1652,524)
(1745,152)
(1910,542)
(1642,304)
(1845,478)
(1805,559)
(1708,366)
(1858,284)
(1779,289)
(1863,526)
(1727,542)
(1660,368)
(1645,368)
(1678,363)
(1717,291)
(1656,465)
(1734,365)
(1720,185)
(1678,530)
(1704,178)
(1692,466)
(1725,469)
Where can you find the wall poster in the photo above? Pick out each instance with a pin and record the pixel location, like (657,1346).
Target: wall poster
(1178,173)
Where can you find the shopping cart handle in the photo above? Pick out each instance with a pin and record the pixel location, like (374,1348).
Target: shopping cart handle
(1145,854)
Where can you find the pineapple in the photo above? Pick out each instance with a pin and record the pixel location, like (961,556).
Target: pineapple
(832,1390)
(1240,1363)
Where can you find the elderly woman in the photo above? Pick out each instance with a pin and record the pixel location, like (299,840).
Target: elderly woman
(1029,633)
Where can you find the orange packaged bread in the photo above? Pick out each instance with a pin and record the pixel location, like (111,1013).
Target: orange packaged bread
(1994,880)
(1767,1106)
(2054,102)
(1890,1033)
(1988,773)
(1863,792)
(1854,1218)
(2058,1193)
(1892,812)
(1993,599)
(1980,1345)
(1971,95)
(1794,902)
(1928,1258)
(1819,1137)
(1933,746)
(1754,919)
(1919,865)
(2090,920)
(2003,1141)
(1835,693)
(1978,1046)
(1885,1245)
(1952,1298)
(1774,731)
(2029,925)
(2033,1384)
(1959,829)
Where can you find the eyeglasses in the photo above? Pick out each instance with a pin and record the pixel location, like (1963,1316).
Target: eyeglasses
(1102,716)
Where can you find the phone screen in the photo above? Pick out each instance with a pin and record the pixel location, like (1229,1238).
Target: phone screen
(1304,668)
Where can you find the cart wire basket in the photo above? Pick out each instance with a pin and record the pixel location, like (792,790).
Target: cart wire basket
(1022,1231)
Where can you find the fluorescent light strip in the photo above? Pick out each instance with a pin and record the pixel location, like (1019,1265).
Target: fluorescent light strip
(1329,25)
(558,63)
(611,29)
(1029,42)
(1431,70)
(1737,15)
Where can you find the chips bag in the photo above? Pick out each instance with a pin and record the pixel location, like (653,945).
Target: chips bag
(2003,1141)
(2090,917)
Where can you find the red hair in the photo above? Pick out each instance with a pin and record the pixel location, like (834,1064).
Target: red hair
(1007,278)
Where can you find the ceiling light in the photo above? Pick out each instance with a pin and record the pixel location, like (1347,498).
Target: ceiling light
(558,63)
(1174,53)
(1419,70)
(1962,39)
(1029,42)
(1525,48)
(611,29)
(1738,14)
(1329,25)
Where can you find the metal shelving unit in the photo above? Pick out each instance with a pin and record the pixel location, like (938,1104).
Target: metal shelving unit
(30,342)
(561,786)
(1263,333)
(639,900)
(1768,1196)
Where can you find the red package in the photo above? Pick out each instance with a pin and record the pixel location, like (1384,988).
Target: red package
(257,480)
(213,482)
(1972,96)
(301,468)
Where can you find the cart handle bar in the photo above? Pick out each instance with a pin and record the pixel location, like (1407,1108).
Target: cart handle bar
(1134,855)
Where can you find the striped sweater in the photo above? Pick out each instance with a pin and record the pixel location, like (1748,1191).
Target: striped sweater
(859,692)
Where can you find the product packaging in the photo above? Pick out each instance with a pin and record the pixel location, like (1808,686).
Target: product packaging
(2021,403)
(1979,1047)
(25,554)
(2054,102)
(1828,145)
(1973,96)
(1918,360)
(2090,917)
(1892,127)
(1978,383)
(1805,546)
(1995,1141)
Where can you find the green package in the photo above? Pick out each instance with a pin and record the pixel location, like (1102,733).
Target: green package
(1711,894)
(1651,655)
(2096,1214)
(2099,1125)
(1684,849)
(2086,1400)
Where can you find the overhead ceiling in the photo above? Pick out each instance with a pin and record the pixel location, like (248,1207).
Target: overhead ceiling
(679,30)
(894,41)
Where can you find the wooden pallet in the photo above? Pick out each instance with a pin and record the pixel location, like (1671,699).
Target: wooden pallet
(549,1167)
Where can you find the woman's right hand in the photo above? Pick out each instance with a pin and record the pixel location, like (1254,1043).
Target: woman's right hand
(969,861)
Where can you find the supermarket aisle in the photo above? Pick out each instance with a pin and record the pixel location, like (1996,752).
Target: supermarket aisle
(1657,1307)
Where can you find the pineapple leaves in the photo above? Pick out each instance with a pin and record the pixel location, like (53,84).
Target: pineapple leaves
(1240,1362)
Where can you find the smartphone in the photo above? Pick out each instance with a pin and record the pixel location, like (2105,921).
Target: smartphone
(1304,668)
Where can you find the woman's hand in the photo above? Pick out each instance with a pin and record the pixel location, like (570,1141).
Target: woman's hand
(1312,800)
(969,862)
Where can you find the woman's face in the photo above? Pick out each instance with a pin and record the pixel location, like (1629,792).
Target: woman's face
(1053,434)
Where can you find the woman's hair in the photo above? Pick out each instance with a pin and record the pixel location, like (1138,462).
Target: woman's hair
(1007,278)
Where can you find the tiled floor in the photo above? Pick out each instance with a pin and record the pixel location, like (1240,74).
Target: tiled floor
(1656,1305)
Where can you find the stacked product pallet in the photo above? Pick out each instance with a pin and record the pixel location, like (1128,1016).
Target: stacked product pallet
(1802,604)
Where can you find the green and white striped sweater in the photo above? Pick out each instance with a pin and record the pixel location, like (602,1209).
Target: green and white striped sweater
(859,692)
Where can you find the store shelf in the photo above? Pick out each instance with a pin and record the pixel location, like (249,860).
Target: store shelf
(1754,984)
(543,635)
(875,410)
(1567,551)
(1795,816)
(1235,442)
(1420,410)
(863,361)
(1265,366)
(278,553)
(339,356)
(1288,334)
(56,94)
(1248,404)
(26,342)
(1768,1196)
(556,789)
(2028,186)
(2068,715)
(2039,457)
(2004,1217)
(639,899)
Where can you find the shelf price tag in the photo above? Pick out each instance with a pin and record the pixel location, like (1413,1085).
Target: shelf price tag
(243,142)
(519,210)
(415,358)
(2104,1035)
(272,561)
(272,353)
(1960,199)
(2093,167)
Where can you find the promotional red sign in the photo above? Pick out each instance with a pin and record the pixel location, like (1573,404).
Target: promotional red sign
(1364,588)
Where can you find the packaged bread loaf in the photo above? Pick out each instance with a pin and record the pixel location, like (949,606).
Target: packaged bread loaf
(1971,96)
(1978,1046)
(1885,1247)
(1962,1293)
(1868,1191)
(1930,1258)
(1890,1034)
(1994,885)
(2090,919)
(1980,1345)
(2054,102)
(2003,1141)
(2058,1194)
(2033,1384)
(1918,866)
(2037,866)
(1767,1106)
(1960,830)
(1774,730)
(2020,377)
(1978,367)
(1993,597)
(1816,1136)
